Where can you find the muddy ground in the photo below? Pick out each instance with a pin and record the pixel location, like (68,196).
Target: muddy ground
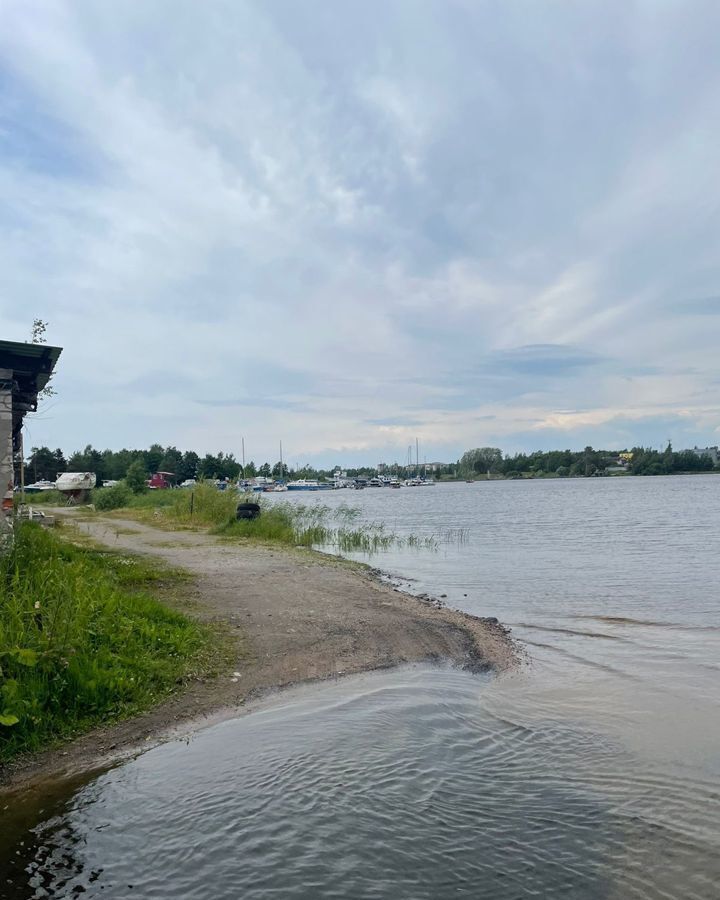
(291,616)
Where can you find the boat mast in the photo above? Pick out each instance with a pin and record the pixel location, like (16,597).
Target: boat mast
(417,459)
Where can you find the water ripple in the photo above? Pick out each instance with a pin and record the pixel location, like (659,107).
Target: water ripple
(395,785)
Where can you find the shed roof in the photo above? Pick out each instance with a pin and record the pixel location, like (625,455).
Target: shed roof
(31,366)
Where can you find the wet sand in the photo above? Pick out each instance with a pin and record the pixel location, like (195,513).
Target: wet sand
(291,616)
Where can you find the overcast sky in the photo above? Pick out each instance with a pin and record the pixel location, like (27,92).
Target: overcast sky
(350,224)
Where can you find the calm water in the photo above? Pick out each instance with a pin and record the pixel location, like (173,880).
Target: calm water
(592,773)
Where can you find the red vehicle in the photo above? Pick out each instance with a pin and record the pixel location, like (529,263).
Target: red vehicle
(161,480)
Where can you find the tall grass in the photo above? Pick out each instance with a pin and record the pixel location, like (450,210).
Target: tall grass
(292,524)
(81,639)
(42,498)
(320,527)
(204,505)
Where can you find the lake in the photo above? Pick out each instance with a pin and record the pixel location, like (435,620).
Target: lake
(593,772)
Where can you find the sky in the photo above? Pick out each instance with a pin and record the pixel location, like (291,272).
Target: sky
(348,225)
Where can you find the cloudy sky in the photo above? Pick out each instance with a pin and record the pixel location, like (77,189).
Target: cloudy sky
(350,224)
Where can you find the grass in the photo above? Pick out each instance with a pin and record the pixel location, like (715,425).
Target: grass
(42,498)
(82,640)
(290,524)
(319,527)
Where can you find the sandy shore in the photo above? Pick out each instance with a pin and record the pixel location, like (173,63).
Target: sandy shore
(292,616)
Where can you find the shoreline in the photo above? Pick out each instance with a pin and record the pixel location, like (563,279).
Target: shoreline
(291,616)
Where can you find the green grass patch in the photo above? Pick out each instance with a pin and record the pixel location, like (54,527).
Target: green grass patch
(287,523)
(202,506)
(82,639)
(42,498)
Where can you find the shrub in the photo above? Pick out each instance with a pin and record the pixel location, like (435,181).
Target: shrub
(113,497)
(135,477)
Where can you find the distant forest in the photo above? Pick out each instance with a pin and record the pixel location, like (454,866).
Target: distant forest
(582,463)
(44,463)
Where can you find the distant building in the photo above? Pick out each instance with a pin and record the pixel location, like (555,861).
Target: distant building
(436,466)
(712,452)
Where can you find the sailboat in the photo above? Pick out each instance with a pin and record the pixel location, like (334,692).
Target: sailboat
(417,480)
(279,485)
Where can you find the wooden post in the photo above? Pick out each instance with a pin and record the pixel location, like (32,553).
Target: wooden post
(22,468)
(192,503)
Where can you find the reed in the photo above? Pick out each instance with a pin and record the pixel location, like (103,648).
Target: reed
(288,523)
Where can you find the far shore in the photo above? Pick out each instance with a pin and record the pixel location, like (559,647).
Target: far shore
(290,616)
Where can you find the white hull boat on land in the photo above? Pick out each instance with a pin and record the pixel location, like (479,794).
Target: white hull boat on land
(76,481)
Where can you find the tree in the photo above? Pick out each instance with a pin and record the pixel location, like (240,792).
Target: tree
(482,459)
(189,466)
(88,460)
(37,336)
(209,467)
(43,464)
(280,470)
(136,477)
(264,470)
(171,461)
(153,456)
(60,461)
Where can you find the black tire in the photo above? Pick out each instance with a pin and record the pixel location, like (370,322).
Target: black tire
(247,511)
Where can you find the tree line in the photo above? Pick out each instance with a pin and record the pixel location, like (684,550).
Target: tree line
(113,465)
(580,463)
(46,464)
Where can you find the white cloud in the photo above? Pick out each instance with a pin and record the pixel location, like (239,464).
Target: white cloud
(268,237)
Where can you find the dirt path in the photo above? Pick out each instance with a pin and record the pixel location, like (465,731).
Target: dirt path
(294,616)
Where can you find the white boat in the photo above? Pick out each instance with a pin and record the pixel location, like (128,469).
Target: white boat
(42,485)
(75,481)
(306,484)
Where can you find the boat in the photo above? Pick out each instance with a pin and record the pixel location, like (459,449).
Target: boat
(38,486)
(274,488)
(257,485)
(75,481)
(304,484)
(279,485)
(76,486)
